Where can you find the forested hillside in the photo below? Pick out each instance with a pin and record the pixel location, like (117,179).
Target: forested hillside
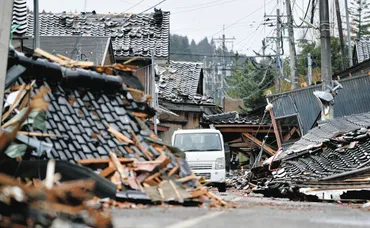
(182,49)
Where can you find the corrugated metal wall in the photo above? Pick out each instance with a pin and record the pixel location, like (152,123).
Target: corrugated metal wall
(354,98)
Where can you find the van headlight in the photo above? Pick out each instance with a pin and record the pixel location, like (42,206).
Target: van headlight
(220,163)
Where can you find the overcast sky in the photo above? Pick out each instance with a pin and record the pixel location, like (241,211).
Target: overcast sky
(198,18)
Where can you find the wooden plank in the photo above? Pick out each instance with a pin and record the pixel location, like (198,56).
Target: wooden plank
(49,56)
(266,148)
(244,145)
(121,137)
(289,135)
(118,166)
(173,170)
(187,178)
(107,171)
(199,192)
(150,179)
(17,99)
(174,186)
(140,114)
(38,134)
(103,161)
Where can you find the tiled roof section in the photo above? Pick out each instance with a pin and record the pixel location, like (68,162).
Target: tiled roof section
(329,131)
(179,83)
(363,50)
(132,35)
(83,48)
(19,17)
(235,118)
(81,105)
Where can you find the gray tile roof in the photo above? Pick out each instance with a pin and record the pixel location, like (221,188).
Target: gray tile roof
(132,35)
(235,118)
(20,16)
(328,131)
(92,49)
(362,50)
(180,82)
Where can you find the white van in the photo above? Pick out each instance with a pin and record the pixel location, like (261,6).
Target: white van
(205,154)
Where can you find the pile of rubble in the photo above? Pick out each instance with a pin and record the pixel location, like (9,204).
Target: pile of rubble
(331,162)
(32,202)
(239,181)
(92,116)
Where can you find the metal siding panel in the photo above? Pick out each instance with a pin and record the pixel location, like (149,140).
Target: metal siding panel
(354,98)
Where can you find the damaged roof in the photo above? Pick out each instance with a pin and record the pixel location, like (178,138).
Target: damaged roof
(133,35)
(82,104)
(235,118)
(95,49)
(327,131)
(362,50)
(182,82)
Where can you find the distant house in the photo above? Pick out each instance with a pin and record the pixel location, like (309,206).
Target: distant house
(134,37)
(180,90)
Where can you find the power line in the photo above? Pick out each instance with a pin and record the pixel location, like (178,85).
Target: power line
(254,32)
(236,22)
(245,98)
(305,15)
(199,5)
(204,7)
(152,7)
(133,6)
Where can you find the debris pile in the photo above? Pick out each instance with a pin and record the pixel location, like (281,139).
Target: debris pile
(240,181)
(97,119)
(34,203)
(331,162)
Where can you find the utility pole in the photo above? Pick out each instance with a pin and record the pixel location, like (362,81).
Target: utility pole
(325,49)
(154,95)
(6,11)
(309,73)
(340,30)
(278,63)
(348,35)
(223,41)
(36,25)
(293,58)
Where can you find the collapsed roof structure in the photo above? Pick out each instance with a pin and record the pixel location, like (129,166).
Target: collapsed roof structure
(330,161)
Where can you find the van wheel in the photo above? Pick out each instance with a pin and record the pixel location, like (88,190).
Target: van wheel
(221,187)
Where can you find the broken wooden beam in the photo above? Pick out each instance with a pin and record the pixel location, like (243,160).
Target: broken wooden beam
(266,148)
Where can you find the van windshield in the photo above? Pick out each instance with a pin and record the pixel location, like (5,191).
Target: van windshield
(196,142)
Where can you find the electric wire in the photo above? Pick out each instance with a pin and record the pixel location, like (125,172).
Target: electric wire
(305,15)
(133,6)
(152,7)
(204,7)
(200,5)
(236,22)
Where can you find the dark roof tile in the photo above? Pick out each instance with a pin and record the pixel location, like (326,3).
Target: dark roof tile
(132,35)
(179,82)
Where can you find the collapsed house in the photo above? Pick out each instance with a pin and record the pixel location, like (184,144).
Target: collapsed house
(94,119)
(330,162)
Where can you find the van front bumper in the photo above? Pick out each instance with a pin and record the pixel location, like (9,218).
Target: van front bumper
(214,176)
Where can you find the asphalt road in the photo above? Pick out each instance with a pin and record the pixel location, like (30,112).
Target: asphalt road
(251,212)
